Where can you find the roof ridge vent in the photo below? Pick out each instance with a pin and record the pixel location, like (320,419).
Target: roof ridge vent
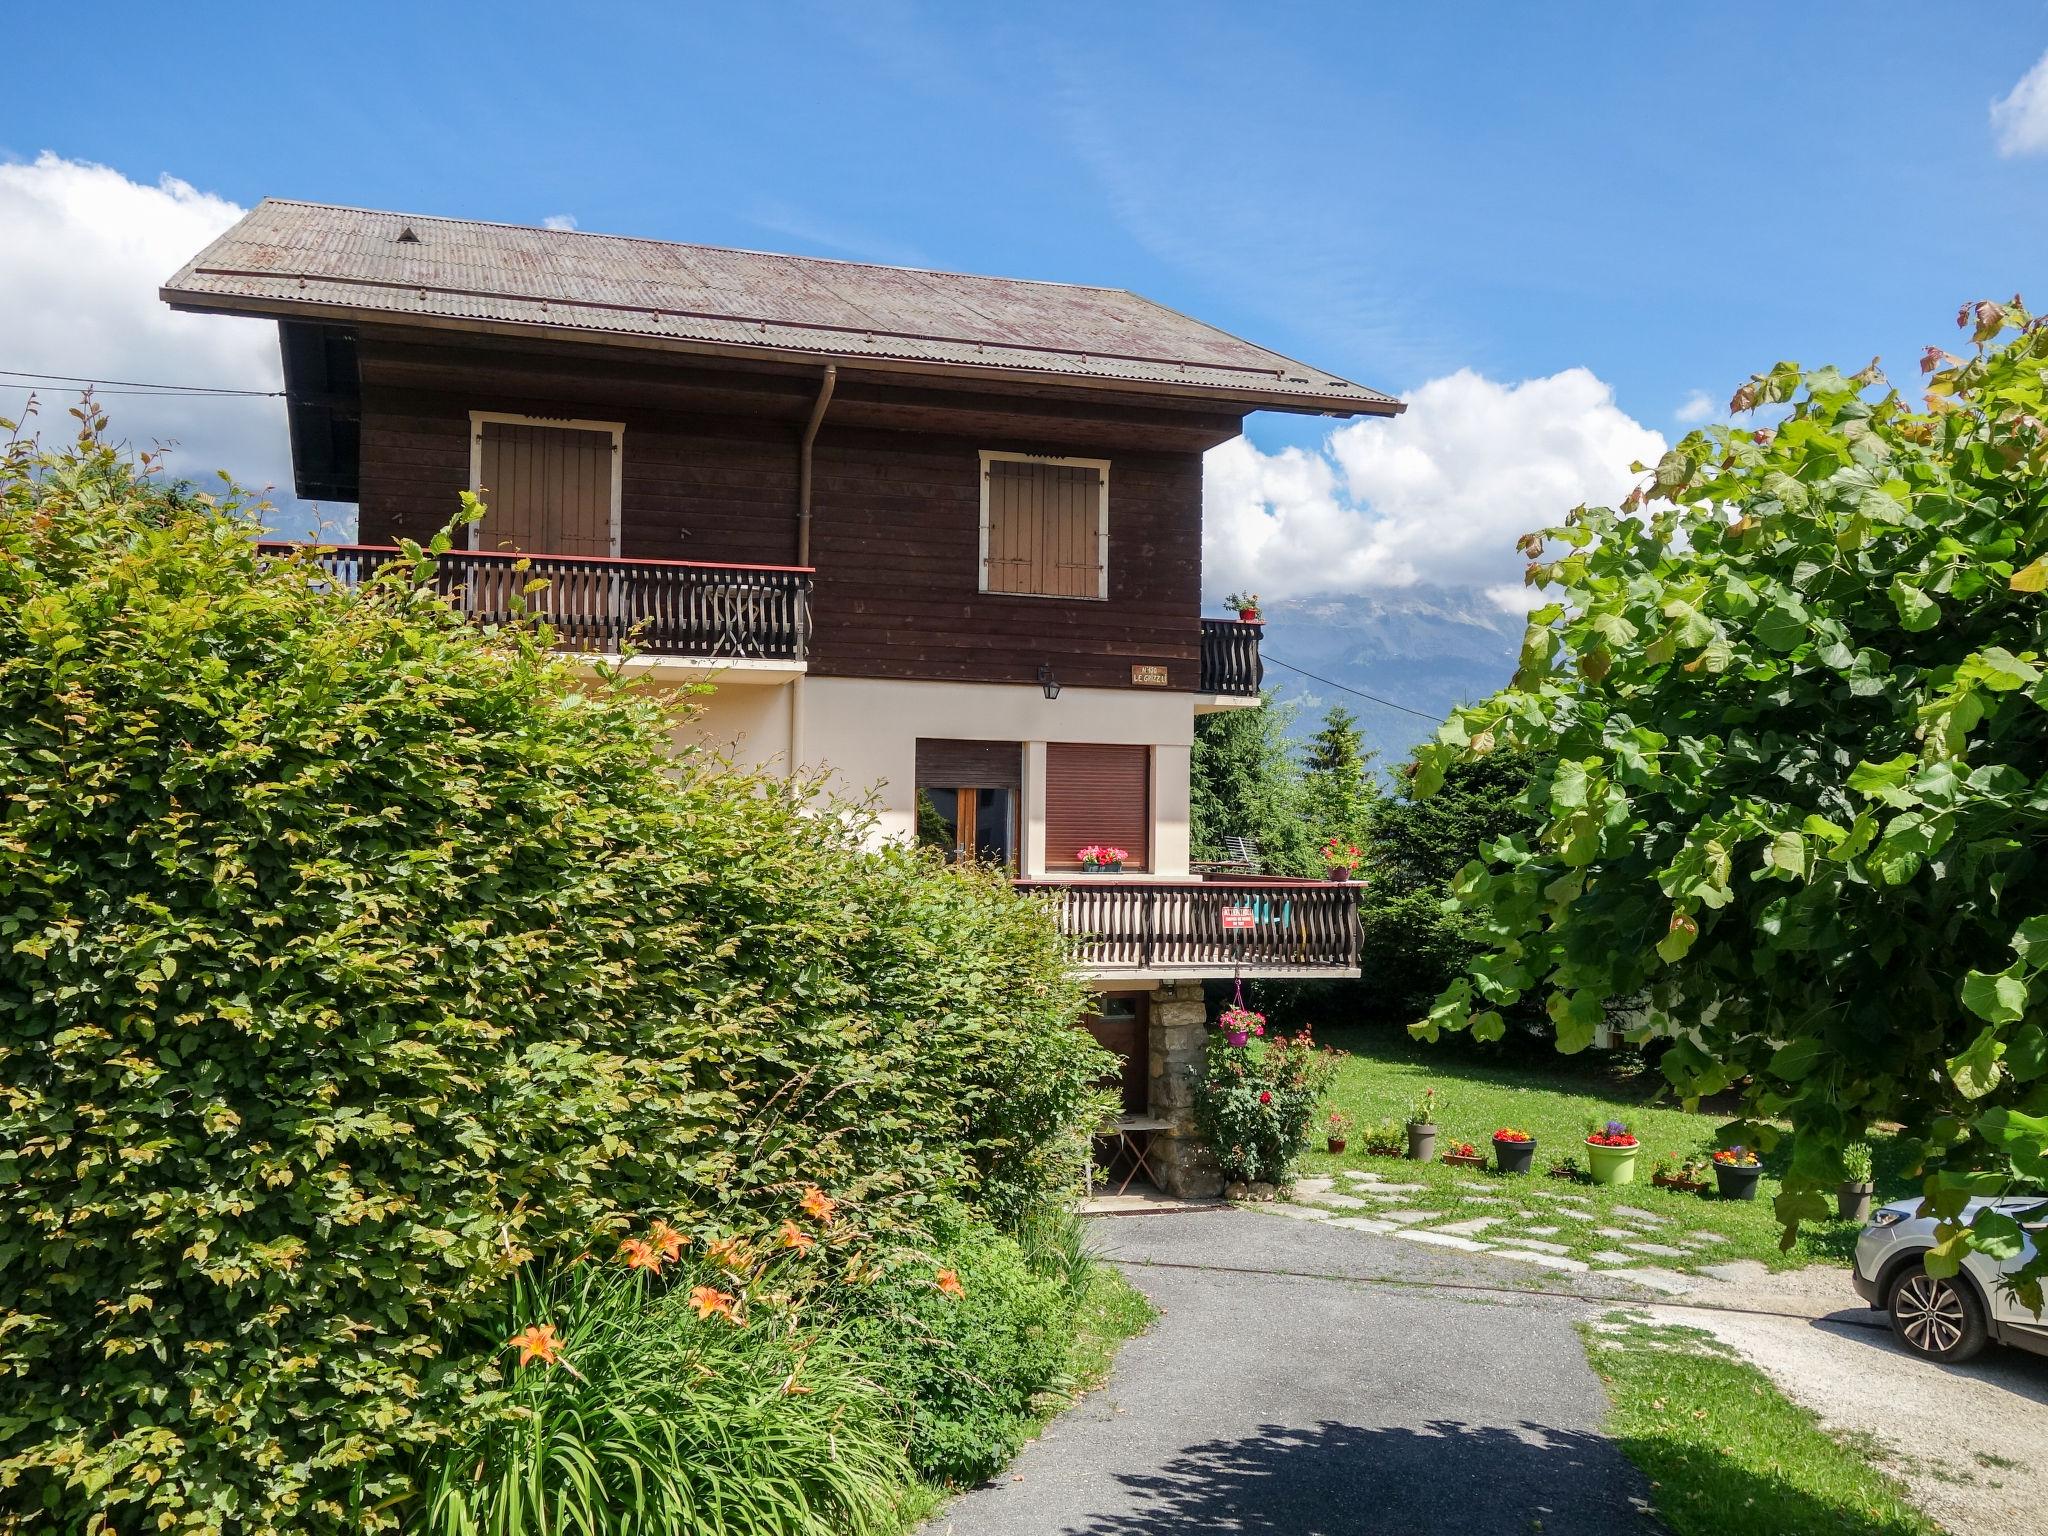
(407,237)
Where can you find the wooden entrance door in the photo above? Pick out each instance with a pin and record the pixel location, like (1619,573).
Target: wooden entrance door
(1120,1025)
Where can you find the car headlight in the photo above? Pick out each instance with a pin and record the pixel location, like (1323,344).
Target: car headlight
(1887,1218)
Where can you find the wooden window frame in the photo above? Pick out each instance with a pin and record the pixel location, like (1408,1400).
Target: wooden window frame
(1101,467)
(615,429)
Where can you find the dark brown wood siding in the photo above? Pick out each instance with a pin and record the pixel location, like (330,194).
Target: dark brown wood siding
(1097,794)
(710,473)
(983,764)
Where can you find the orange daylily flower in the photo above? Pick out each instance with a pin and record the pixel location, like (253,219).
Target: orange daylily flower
(949,1282)
(667,1241)
(711,1302)
(539,1342)
(818,1204)
(794,1236)
(729,1251)
(639,1255)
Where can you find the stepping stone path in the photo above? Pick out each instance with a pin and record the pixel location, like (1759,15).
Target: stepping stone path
(1660,1250)
(1342,1202)
(1363,1224)
(1538,1244)
(1298,1212)
(1669,1281)
(1647,1218)
(1621,1233)
(1475,1226)
(1442,1240)
(1610,1256)
(1409,1218)
(1540,1231)
(1382,1187)
(1547,1260)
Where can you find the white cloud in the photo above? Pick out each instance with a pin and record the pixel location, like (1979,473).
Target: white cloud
(2019,119)
(83,251)
(1694,409)
(1437,496)
(559,221)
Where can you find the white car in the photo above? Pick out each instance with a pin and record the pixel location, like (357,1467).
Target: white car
(1947,1319)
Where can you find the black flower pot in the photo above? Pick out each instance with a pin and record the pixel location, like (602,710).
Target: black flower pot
(1514,1156)
(1737,1183)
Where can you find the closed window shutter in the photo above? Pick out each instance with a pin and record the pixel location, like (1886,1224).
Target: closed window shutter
(1097,794)
(546,490)
(1044,528)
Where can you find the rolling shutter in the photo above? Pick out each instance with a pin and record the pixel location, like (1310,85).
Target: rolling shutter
(943,764)
(1044,532)
(548,490)
(1097,794)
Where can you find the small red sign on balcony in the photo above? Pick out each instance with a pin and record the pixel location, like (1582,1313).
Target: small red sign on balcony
(1238,917)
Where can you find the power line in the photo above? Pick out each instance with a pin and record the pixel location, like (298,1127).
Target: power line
(137,386)
(1347,688)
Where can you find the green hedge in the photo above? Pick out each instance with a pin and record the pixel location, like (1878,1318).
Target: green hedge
(349,956)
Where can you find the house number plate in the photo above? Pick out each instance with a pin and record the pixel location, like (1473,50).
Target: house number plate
(1148,677)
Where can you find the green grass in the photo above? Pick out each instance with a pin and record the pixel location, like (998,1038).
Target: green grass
(1725,1453)
(1383,1074)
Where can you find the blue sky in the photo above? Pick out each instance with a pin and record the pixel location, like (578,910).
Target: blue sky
(1395,192)
(1563,232)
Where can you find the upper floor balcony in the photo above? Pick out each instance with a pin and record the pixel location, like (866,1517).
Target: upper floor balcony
(735,617)
(1230,658)
(1246,925)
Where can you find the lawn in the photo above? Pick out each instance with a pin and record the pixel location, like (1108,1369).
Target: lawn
(1383,1073)
(1725,1453)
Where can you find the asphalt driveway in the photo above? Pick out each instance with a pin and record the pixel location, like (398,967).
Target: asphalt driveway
(1283,1392)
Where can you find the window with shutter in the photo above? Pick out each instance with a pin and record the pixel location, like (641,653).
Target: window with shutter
(1097,794)
(549,488)
(1044,526)
(970,798)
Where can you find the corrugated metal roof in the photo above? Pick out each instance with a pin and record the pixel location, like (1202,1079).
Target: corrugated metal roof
(313,259)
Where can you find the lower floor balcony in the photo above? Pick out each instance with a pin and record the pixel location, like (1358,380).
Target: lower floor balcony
(1251,926)
(739,615)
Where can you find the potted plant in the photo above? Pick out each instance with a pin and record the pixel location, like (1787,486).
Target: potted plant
(1513,1151)
(1422,1128)
(1852,1200)
(1566,1166)
(1098,859)
(1736,1170)
(1341,858)
(1239,1024)
(1247,606)
(1385,1138)
(1463,1154)
(1337,1130)
(1611,1151)
(1689,1175)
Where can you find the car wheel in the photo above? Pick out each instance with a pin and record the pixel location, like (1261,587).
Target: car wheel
(1941,1319)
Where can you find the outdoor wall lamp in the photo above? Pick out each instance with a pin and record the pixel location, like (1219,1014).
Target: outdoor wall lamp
(1048,682)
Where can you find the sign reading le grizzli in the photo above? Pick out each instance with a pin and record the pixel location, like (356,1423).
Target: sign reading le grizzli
(1148,677)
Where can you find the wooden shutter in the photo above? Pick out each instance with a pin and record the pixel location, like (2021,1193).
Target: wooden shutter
(1044,528)
(1097,794)
(945,764)
(548,489)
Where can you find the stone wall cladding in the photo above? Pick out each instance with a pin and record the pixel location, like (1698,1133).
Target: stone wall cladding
(1180,1019)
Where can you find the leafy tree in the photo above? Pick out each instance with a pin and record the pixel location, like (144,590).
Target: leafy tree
(351,956)
(1338,791)
(1246,782)
(1787,716)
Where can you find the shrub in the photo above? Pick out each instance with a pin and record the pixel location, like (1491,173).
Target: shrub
(637,1410)
(964,1367)
(351,957)
(1254,1103)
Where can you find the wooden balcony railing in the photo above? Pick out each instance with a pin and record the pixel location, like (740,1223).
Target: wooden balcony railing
(1258,926)
(662,607)
(1230,657)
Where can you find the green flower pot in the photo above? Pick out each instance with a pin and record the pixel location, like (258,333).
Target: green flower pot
(1612,1165)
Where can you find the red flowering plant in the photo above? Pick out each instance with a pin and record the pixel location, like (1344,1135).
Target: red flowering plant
(1240,1026)
(1255,1101)
(1612,1134)
(1338,854)
(1100,856)
(1736,1157)
(1509,1133)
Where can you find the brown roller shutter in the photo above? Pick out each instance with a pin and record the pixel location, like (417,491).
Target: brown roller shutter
(1097,794)
(984,764)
